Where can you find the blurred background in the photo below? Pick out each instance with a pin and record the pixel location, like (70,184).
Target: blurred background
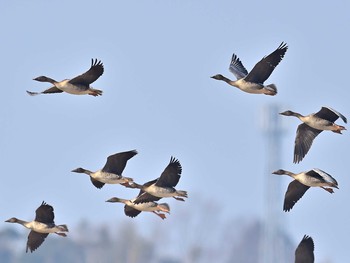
(160,100)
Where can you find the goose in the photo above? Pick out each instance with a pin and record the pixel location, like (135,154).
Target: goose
(313,124)
(253,82)
(162,186)
(111,173)
(41,226)
(79,85)
(305,251)
(302,182)
(132,210)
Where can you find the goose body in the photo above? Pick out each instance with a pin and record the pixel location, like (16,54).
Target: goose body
(111,173)
(253,82)
(304,253)
(132,210)
(313,124)
(79,85)
(162,186)
(41,226)
(302,182)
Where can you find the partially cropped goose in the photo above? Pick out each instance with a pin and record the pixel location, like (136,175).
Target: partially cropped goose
(79,85)
(302,182)
(253,82)
(41,226)
(305,251)
(111,173)
(162,186)
(132,210)
(313,124)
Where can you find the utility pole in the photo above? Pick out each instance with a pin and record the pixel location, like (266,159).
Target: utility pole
(272,247)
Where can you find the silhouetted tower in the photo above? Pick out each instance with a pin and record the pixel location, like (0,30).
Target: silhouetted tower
(272,248)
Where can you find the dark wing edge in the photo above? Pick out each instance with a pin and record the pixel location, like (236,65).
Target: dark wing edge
(47,91)
(263,69)
(131,212)
(294,192)
(96,183)
(303,141)
(171,174)
(35,240)
(95,71)
(44,213)
(304,253)
(116,163)
(330,114)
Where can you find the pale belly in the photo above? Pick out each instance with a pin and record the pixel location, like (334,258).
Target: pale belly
(41,228)
(109,178)
(149,206)
(249,87)
(71,89)
(320,124)
(160,191)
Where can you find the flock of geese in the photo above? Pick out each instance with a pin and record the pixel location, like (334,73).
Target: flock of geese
(162,187)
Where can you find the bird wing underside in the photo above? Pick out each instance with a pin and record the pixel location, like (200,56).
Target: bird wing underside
(35,239)
(263,69)
(95,71)
(116,163)
(47,91)
(330,114)
(132,212)
(305,251)
(44,214)
(96,183)
(171,174)
(294,192)
(303,141)
(237,68)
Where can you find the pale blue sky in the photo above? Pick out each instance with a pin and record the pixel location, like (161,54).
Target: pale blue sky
(159,99)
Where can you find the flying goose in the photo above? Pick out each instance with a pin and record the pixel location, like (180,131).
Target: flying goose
(79,85)
(162,186)
(302,182)
(111,173)
(313,124)
(305,251)
(253,82)
(132,210)
(41,226)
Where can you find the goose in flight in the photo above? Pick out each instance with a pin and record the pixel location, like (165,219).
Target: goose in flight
(302,182)
(313,124)
(132,210)
(305,251)
(111,173)
(41,226)
(162,186)
(253,82)
(79,85)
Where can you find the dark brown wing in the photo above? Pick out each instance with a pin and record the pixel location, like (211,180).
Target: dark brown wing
(330,114)
(305,251)
(294,192)
(116,163)
(303,141)
(263,69)
(44,214)
(48,91)
(132,212)
(96,183)
(95,71)
(171,174)
(35,239)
